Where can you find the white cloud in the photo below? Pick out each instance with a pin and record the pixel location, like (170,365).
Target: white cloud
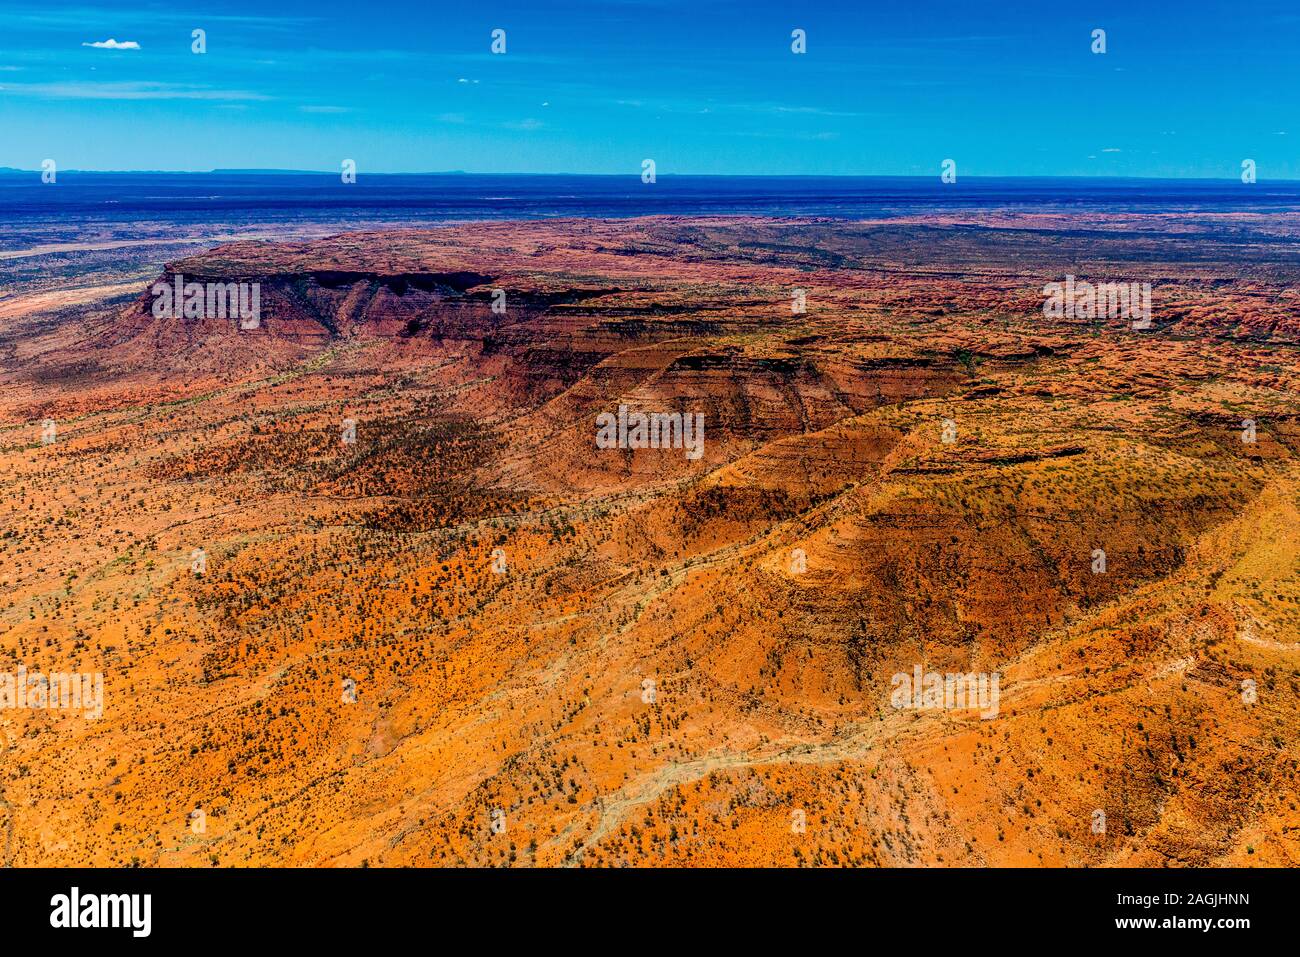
(81,90)
(111,44)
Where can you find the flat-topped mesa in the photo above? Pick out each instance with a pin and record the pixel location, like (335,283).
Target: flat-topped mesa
(458,283)
(335,303)
(519,290)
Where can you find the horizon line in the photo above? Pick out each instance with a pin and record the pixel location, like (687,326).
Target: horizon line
(239,171)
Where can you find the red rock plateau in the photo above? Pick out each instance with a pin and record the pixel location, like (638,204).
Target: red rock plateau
(471,637)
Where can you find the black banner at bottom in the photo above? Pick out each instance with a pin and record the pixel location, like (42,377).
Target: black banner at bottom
(337,907)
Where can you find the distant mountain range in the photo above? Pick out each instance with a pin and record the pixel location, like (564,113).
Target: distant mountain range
(223,172)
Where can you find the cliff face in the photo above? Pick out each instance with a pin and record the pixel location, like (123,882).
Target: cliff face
(641,654)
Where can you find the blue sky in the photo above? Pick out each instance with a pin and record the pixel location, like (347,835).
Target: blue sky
(703,86)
